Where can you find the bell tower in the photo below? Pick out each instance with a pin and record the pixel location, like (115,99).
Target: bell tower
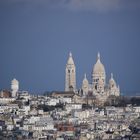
(70,75)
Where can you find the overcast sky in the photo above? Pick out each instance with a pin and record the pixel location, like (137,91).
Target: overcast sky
(36,37)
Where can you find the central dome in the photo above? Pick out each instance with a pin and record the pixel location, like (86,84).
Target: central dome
(98,67)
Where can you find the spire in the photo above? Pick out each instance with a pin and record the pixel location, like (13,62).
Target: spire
(111,75)
(70,59)
(98,56)
(85,81)
(70,54)
(85,76)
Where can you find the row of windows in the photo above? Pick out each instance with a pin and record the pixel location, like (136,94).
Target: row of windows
(96,80)
(70,71)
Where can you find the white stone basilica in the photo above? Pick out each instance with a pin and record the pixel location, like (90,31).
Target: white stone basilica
(98,87)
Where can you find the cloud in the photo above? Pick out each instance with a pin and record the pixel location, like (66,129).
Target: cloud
(95,5)
(89,5)
(98,5)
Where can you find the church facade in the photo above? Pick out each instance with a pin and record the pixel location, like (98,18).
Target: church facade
(98,88)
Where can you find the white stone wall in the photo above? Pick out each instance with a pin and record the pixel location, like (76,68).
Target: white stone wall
(70,74)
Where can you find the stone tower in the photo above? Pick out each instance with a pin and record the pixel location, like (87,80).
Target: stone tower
(70,75)
(14,87)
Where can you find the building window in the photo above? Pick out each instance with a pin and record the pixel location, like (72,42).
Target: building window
(96,87)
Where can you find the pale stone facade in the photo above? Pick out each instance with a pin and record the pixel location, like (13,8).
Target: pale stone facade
(98,76)
(14,87)
(99,88)
(70,77)
(113,88)
(85,86)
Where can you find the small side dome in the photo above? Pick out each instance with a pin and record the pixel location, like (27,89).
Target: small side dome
(85,81)
(98,67)
(112,82)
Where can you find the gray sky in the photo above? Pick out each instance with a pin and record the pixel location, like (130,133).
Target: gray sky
(37,35)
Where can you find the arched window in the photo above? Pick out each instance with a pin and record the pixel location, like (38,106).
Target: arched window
(68,71)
